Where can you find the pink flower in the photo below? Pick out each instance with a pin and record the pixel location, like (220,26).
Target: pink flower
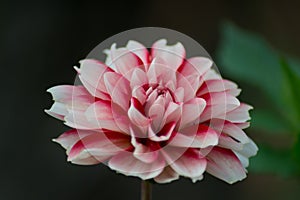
(155,115)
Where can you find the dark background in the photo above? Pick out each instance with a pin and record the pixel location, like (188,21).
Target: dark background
(41,41)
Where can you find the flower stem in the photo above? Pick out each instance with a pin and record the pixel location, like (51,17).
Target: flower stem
(146,190)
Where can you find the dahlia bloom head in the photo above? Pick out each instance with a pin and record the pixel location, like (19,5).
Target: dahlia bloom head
(154,114)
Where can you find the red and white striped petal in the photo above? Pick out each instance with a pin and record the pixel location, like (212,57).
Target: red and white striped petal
(136,113)
(191,111)
(91,74)
(138,78)
(186,162)
(71,137)
(129,165)
(225,165)
(78,120)
(164,134)
(239,115)
(118,88)
(173,112)
(167,175)
(125,61)
(160,72)
(99,147)
(156,113)
(218,105)
(148,152)
(195,66)
(199,136)
(58,110)
(101,115)
(230,129)
(140,50)
(173,55)
(216,85)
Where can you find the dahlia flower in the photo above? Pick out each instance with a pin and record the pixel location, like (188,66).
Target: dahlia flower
(154,114)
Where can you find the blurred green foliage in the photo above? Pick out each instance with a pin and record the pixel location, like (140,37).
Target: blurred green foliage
(246,57)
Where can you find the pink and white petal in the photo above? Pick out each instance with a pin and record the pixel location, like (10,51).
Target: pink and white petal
(230,129)
(173,55)
(190,85)
(129,165)
(136,114)
(140,50)
(140,94)
(146,153)
(91,74)
(78,120)
(58,110)
(240,114)
(118,88)
(138,78)
(189,163)
(199,136)
(191,111)
(179,94)
(108,60)
(164,134)
(225,165)
(69,138)
(249,149)
(218,105)
(243,159)
(160,72)
(156,113)
(211,75)
(166,176)
(125,61)
(98,146)
(217,85)
(100,114)
(173,112)
(228,143)
(63,93)
(195,66)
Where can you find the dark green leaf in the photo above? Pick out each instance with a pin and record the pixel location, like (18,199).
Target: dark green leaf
(248,57)
(291,94)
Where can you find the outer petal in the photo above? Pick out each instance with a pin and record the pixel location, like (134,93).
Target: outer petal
(200,136)
(188,163)
(195,66)
(125,61)
(78,120)
(239,115)
(225,165)
(145,152)
(99,147)
(71,137)
(217,85)
(127,164)
(140,50)
(230,129)
(91,74)
(167,176)
(218,105)
(173,55)
(68,98)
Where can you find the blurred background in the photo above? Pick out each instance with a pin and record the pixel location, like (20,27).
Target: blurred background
(255,43)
